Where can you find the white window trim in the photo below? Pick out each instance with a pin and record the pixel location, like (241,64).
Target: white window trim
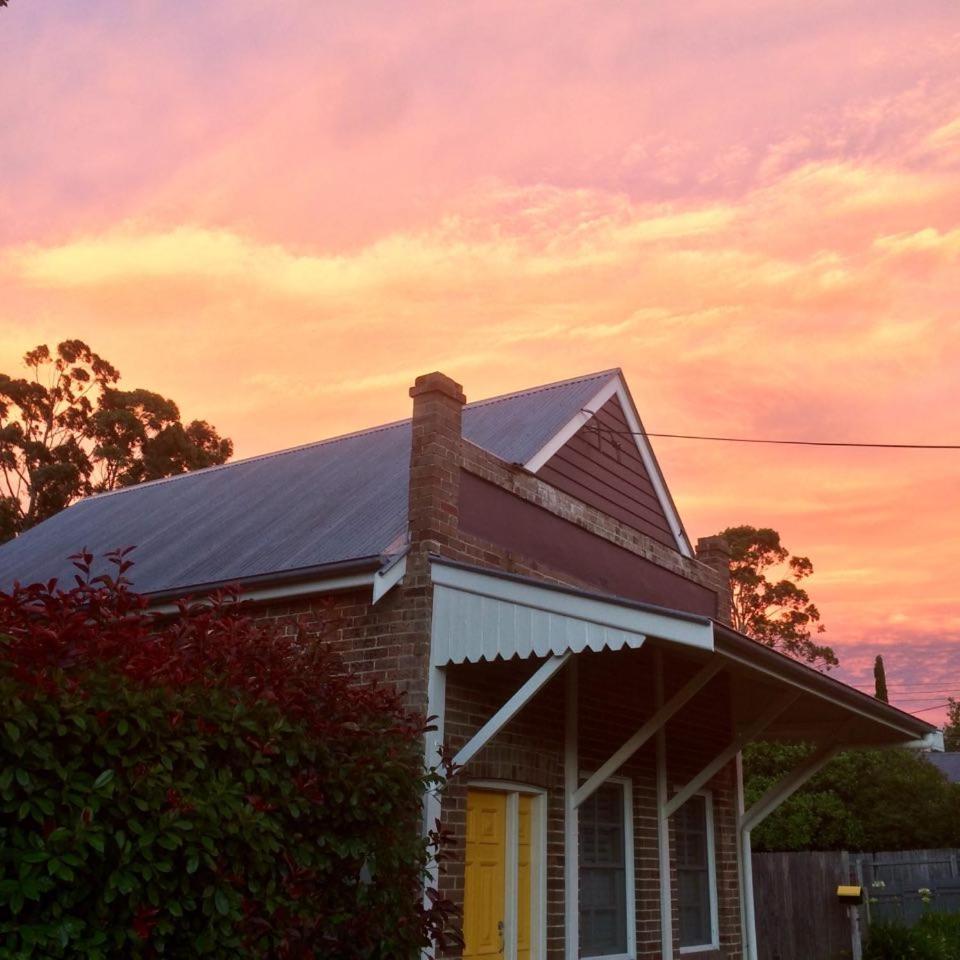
(538,899)
(629,870)
(714,943)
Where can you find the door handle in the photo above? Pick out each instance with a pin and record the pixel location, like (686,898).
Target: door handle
(500,931)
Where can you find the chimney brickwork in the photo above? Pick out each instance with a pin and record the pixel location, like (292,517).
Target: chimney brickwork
(435,460)
(714,552)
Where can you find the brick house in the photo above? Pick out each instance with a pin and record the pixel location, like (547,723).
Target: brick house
(517,566)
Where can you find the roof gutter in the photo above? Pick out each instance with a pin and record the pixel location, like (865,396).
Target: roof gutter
(763,659)
(325,578)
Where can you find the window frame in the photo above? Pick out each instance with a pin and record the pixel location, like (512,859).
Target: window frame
(714,943)
(630,880)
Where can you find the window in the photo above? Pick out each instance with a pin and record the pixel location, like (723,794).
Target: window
(606,868)
(693,836)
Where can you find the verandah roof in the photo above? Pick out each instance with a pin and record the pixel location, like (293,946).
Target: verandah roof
(487,615)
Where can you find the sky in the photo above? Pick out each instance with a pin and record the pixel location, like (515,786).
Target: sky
(280,214)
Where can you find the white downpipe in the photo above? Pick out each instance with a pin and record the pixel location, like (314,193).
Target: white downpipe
(663,823)
(741,861)
(571,833)
(749,917)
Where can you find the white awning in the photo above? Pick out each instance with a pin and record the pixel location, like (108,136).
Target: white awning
(483,616)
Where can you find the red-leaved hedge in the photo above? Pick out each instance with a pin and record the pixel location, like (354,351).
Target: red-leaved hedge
(199,786)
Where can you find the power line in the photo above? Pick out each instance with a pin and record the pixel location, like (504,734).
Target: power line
(794,443)
(916,695)
(916,702)
(814,443)
(926,683)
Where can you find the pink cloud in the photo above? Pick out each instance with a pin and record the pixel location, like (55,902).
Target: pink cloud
(752,209)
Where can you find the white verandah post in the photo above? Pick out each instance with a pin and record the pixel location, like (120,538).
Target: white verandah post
(571,832)
(663,822)
(753,817)
(433,740)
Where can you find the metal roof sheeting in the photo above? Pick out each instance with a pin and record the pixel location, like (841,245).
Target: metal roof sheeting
(518,425)
(323,503)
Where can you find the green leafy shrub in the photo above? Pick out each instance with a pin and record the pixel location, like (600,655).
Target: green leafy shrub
(203,787)
(935,937)
(861,800)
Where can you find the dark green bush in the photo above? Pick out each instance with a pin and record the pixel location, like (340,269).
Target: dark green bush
(935,937)
(862,800)
(201,788)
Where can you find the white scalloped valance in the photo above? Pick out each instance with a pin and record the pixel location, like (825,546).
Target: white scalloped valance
(479,616)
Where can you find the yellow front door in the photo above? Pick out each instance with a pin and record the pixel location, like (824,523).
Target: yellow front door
(499,846)
(484,896)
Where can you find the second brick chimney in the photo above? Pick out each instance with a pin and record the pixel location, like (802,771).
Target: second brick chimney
(714,552)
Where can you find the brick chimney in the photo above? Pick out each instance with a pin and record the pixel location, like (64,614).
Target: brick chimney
(435,458)
(714,552)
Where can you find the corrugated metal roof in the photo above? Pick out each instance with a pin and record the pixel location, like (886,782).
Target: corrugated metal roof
(518,425)
(327,502)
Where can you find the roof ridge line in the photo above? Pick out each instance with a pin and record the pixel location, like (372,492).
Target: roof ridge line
(346,436)
(612,371)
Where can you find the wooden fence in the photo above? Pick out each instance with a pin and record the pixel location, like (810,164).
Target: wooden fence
(798,915)
(800,918)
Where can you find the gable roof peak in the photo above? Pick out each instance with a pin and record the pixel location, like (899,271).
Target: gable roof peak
(600,376)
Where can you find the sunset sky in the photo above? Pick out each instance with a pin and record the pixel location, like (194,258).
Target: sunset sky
(279,213)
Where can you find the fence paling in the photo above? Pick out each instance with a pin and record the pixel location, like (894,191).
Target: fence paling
(800,918)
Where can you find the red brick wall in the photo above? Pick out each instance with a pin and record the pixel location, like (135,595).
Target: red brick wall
(389,642)
(616,697)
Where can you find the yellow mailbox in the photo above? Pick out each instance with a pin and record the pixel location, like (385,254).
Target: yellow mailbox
(850,894)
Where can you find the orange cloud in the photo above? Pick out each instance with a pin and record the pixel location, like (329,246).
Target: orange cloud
(279,218)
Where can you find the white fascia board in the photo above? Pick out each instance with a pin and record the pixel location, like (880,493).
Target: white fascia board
(604,613)
(572,426)
(386,578)
(653,470)
(286,591)
(814,692)
(616,387)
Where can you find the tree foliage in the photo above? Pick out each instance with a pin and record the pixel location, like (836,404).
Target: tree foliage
(863,800)
(777,612)
(202,786)
(880,680)
(951,732)
(67,430)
